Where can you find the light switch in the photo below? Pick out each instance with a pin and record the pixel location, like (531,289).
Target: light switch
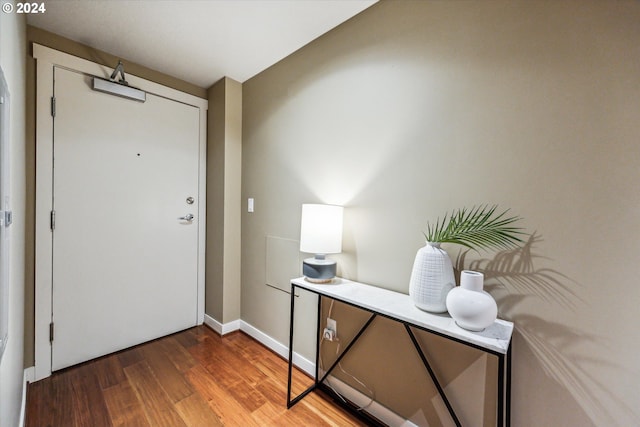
(250,204)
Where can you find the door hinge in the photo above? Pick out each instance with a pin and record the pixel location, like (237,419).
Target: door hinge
(53,106)
(53,220)
(6,218)
(51,332)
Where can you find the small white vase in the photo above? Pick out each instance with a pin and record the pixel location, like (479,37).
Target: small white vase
(470,306)
(431,278)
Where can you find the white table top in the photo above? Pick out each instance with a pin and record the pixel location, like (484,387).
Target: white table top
(400,306)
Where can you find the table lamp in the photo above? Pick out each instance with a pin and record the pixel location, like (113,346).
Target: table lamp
(320,234)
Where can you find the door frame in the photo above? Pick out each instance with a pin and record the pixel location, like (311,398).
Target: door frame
(46,59)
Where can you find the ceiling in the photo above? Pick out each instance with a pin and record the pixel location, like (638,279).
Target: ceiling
(197,41)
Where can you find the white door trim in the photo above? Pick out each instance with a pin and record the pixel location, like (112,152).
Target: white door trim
(46,59)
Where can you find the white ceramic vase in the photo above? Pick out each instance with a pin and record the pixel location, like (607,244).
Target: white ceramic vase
(431,278)
(470,306)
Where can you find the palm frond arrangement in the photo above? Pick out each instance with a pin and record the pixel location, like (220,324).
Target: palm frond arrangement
(477,228)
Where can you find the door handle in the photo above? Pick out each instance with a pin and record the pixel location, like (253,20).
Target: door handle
(187,217)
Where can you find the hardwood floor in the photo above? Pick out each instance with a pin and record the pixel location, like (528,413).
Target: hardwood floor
(192,378)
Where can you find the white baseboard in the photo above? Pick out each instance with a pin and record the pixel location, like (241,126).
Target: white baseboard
(220,328)
(28,377)
(301,362)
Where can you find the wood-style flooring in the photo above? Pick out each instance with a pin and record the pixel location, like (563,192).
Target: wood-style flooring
(192,378)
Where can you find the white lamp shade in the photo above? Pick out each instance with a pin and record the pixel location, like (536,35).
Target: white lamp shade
(321,229)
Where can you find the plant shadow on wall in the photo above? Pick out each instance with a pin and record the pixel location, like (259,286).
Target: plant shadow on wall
(515,269)
(512,276)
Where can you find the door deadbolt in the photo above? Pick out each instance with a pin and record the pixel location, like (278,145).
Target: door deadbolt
(190,200)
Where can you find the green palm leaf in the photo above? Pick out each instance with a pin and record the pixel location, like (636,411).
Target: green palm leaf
(477,228)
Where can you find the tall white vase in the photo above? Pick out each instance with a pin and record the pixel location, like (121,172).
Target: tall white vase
(470,306)
(431,278)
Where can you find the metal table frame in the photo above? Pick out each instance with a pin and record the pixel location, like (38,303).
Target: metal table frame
(504,361)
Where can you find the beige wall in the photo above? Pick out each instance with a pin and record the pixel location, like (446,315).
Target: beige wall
(224,153)
(414,108)
(12,60)
(215,197)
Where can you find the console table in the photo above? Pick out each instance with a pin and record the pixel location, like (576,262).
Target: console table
(494,340)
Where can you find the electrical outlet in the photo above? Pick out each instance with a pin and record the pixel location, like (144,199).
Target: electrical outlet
(328,334)
(332,325)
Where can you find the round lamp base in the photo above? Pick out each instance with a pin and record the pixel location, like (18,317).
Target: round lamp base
(319,270)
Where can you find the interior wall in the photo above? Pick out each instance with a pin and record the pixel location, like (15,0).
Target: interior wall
(232,200)
(415,108)
(224,154)
(12,60)
(214,271)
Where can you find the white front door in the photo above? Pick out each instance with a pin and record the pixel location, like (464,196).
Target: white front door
(125,266)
